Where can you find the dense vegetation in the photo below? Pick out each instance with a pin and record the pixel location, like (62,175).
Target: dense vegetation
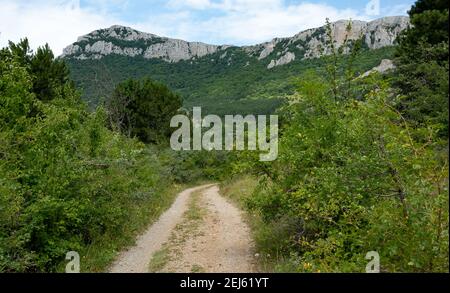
(143,109)
(363,164)
(67,182)
(235,84)
(422,59)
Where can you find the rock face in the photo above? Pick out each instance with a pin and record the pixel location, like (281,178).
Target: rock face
(311,43)
(176,50)
(129,42)
(384,66)
(285,59)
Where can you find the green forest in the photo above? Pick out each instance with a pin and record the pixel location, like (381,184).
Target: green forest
(363,161)
(243,85)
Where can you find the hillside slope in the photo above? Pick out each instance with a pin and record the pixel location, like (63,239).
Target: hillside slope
(222,79)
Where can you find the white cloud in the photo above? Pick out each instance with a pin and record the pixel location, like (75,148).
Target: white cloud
(225,5)
(247,21)
(250,5)
(193,4)
(105,6)
(399,9)
(57,23)
(265,23)
(239,22)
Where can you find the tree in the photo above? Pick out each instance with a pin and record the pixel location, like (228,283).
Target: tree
(425,5)
(351,177)
(422,60)
(143,109)
(49,74)
(67,183)
(21,51)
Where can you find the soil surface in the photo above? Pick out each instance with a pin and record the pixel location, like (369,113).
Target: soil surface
(201,232)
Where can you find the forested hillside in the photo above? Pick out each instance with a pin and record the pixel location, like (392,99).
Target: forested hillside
(216,86)
(221,79)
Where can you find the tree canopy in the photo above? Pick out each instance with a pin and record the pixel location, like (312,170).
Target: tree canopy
(48,74)
(422,59)
(143,108)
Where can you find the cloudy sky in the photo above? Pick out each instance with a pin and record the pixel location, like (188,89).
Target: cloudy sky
(237,22)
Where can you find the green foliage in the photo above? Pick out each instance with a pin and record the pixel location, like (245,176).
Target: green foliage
(353,175)
(350,179)
(66,181)
(48,74)
(360,167)
(339,67)
(234,84)
(143,109)
(425,5)
(422,59)
(193,166)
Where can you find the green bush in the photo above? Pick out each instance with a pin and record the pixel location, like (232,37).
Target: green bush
(143,109)
(422,60)
(356,174)
(351,179)
(66,181)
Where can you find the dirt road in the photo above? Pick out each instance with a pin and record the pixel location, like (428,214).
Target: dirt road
(201,232)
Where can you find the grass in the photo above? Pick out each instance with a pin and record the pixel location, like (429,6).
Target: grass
(159,260)
(188,227)
(98,256)
(195,212)
(239,189)
(268,238)
(197,269)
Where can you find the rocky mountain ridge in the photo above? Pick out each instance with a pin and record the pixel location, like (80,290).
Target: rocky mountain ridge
(307,44)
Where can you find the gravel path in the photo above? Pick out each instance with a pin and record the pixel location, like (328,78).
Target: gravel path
(137,258)
(220,244)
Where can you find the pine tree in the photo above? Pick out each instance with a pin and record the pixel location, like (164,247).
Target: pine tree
(49,73)
(143,109)
(422,59)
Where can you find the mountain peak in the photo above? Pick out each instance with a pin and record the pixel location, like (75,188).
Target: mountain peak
(122,40)
(118,32)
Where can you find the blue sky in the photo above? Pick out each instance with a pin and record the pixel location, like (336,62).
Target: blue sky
(141,10)
(238,22)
